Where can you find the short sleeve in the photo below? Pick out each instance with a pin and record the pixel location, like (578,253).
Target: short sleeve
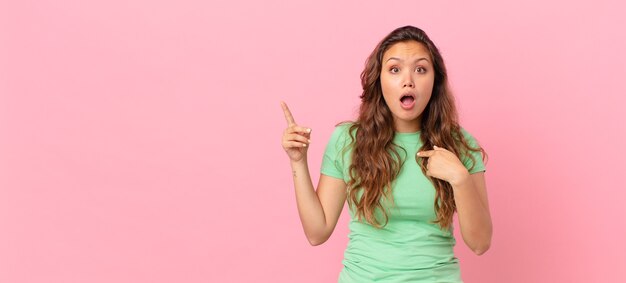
(333,162)
(477,161)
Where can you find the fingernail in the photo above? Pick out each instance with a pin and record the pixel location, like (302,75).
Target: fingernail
(309,141)
(304,145)
(308,130)
(419,153)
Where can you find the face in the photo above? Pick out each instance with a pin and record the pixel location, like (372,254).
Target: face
(407,79)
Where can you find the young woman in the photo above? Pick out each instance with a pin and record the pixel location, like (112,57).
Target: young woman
(405,166)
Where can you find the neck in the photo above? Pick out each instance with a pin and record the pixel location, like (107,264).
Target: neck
(407,126)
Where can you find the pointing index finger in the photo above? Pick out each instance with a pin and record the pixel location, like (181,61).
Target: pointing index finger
(426,153)
(288,115)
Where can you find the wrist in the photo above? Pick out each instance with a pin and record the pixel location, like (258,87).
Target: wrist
(460,179)
(302,161)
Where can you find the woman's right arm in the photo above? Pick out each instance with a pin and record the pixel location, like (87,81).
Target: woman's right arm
(319,209)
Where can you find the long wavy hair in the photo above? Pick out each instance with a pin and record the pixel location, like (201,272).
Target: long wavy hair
(376,160)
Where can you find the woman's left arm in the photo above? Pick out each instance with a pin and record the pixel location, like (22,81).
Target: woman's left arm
(470,196)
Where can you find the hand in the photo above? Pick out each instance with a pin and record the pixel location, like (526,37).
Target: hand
(443,164)
(295,138)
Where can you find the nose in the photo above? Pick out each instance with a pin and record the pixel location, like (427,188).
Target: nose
(408,81)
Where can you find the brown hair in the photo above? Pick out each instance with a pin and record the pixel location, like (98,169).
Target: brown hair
(376,160)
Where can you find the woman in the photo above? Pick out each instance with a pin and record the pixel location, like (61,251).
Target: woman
(404,167)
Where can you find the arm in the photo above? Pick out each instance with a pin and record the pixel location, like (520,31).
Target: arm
(470,195)
(319,210)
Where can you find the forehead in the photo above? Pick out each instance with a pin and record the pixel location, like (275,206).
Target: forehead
(406,50)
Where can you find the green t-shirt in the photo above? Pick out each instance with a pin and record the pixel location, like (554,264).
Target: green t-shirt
(409,248)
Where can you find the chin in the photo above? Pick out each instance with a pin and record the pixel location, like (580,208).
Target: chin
(410,116)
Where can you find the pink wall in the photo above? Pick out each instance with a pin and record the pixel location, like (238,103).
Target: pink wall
(140,140)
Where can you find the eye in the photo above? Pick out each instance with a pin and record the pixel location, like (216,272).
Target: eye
(420,70)
(394,70)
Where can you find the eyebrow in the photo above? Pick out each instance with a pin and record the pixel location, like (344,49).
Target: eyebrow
(417,60)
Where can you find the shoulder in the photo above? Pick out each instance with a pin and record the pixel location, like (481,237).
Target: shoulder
(343,132)
(337,152)
(469,137)
(341,137)
(473,156)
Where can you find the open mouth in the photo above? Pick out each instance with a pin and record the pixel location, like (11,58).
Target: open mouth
(407,100)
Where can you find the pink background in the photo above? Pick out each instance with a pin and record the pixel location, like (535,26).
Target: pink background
(140,140)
